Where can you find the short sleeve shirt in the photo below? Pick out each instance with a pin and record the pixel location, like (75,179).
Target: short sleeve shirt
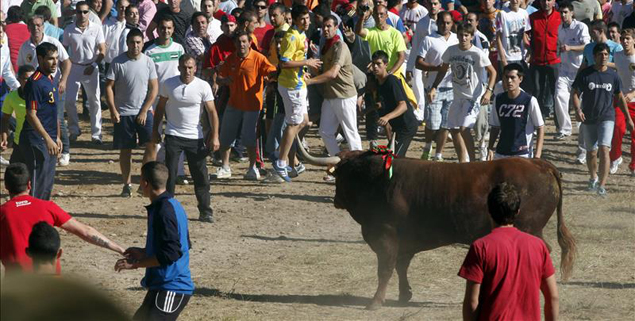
(598,88)
(467,67)
(588,51)
(41,95)
(17,217)
(247,79)
(391,93)
(626,71)
(431,51)
(510,266)
(28,56)
(184,106)
(181,22)
(293,47)
(131,77)
(586,10)
(343,86)
(29,8)
(166,59)
(82,45)
(13,103)
(512,26)
(390,41)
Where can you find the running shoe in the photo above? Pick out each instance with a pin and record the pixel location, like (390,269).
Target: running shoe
(615,165)
(126,191)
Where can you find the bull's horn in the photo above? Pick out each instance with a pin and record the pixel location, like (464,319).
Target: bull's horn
(392,142)
(318,161)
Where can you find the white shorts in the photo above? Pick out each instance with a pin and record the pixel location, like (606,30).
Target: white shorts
(295,104)
(463,113)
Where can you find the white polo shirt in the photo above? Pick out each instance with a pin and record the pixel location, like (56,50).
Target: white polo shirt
(184,106)
(577,33)
(82,46)
(431,51)
(28,56)
(113,29)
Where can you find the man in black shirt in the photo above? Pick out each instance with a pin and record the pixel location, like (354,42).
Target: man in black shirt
(181,19)
(629,22)
(395,109)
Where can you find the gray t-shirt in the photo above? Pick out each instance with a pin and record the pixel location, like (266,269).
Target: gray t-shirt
(131,78)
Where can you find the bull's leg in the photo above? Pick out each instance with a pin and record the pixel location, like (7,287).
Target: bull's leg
(403,262)
(386,259)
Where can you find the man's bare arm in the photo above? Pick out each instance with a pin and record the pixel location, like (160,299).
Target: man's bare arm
(400,59)
(549,290)
(470,302)
(91,235)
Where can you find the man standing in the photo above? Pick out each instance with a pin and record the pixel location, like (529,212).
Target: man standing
(506,269)
(14,104)
(147,10)
(572,37)
(395,108)
(113,29)
(339,107)
(587,11)
(291,84)
(467,64)
(29,6)
(429,60)
(21,212)
(40,141)
(180,17)
(213,24)
(598,85)
(516,115)
(244,71)
(511,29)
(180,101)
(197,43)
(544,57)
(166,254)
(262,27)
(133,78)
(87,47)
(28,56)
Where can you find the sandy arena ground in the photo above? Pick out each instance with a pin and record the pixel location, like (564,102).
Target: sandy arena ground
(283,252)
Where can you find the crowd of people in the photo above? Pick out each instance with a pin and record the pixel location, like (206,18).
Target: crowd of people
(199,79)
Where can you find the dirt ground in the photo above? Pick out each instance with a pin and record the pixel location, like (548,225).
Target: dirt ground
(283,252)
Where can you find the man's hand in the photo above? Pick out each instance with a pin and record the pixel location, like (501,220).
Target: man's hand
(408,76)
(349,33)
(51,146)
(215,89)
(630,125)
(382,121)
(213,143)
(313,63)
(62,86)
(116,118)
(490,155)
(307,79)
(432,94)
(579,115)
(141,117)
(89,70)
(486,97)
(135,253)
(124,264)
(564,48)
(58,141)
(156,137)
(4,142)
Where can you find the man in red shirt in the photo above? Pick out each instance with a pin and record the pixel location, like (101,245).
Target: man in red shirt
(506,269)
(17,33)
(262,27)
(544,55)
(22,212)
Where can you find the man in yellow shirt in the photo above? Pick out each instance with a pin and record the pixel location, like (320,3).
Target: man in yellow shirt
(291,85)
(14,104)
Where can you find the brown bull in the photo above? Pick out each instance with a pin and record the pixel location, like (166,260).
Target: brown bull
(426,205)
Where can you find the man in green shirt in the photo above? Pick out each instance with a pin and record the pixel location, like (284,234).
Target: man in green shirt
(14,103)
(29,6)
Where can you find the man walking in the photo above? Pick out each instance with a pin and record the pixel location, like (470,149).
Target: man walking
(625,63)
(180,101)
(133,77)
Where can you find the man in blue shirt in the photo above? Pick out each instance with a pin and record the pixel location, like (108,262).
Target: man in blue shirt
(166,255)
(599,86)
(40,137)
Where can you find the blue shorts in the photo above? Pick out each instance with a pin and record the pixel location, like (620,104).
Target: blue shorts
(235,121)
(600,134)
(127,131)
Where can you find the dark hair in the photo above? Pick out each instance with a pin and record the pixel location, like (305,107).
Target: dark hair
(601,47)
(185,57)
(279,34)
(599,25)
(44,242)
(130,7)
(24,69)
(392,3)
(155,173)
(514,66)
(44,11)
(246,17)
(196,15)
(239,33)
(16,177)
(442,15)
(166,18)
(81,3)
(15,14)
(331,18)
(566,4)
(44,48)
(29,21)
(322,10)
(237,12)
(277,6)
(465,27)
(253,3)
(134,32)
(298,11)
(614,24)
(380,54)
(503,203)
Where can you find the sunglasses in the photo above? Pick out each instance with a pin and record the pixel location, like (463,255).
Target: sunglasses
(82,11)
(260,7)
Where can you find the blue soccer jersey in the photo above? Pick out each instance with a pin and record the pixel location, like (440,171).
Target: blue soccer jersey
(517,119)
(41,95)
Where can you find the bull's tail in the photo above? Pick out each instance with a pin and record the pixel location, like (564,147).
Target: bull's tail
(565,239)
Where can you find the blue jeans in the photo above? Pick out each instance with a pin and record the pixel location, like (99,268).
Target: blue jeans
(66,143)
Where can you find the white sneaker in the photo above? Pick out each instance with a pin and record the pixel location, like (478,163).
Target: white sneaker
(223,172)
(483,152)
(252,174)
(615,165)
(581,158)
(4,161)
(65,160)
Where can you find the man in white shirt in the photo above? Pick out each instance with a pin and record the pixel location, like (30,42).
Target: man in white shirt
(621,9)
(625,63)
(572,37)
(467,63)
(113,28)
(213,25)
(87,47)
(180,100)
(28,56)
(429,60)
(511,29)
(411,13)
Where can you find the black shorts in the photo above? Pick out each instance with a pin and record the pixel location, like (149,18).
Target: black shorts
(127,130)
(161,305)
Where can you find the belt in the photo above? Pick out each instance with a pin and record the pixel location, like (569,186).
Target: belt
(86,64)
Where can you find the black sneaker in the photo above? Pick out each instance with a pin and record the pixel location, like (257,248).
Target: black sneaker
(206,218)
(126,191)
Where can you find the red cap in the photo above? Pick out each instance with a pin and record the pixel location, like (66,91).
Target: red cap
(456,16)
(228,18)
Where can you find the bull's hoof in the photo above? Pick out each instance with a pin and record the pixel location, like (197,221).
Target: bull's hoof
(373,306)
(404,297)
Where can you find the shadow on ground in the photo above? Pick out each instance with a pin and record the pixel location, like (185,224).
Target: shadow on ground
(295,239)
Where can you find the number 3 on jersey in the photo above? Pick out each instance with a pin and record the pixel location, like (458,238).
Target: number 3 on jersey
(51,98)
(514,111)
